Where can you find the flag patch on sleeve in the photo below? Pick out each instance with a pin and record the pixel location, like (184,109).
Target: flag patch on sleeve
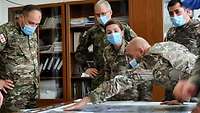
(2,38)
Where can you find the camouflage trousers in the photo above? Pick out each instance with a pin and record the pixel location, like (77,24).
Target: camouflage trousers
(21,97)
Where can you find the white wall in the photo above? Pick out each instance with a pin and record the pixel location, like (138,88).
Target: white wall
(4,5)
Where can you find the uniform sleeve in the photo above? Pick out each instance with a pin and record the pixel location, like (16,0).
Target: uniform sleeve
(107,68)
(128,32)
(3,37)
(164,75)
(82,52)
(195,78)
(110,88)
(192,4)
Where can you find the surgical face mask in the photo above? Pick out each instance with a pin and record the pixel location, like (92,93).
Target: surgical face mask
(103,19)
(115,38)
(28,30)
(178,20)
(133,63)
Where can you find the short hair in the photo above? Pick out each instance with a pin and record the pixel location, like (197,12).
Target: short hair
(102,2)
(173,2)
(28,8)
(111,21)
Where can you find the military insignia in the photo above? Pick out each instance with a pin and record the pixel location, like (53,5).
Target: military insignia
(2,38)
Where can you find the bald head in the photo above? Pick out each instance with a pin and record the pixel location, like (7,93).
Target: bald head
(137,47)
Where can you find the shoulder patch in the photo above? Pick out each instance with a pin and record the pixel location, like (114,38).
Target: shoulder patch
(2,38)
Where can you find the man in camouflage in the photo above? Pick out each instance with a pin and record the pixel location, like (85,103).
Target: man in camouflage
(95,36)
(19,60)
(168,61)
(186,31)
(185,89)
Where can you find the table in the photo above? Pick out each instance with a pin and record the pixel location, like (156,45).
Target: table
(127,107)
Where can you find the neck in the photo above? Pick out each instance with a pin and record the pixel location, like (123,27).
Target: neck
(117,46)
(147,49)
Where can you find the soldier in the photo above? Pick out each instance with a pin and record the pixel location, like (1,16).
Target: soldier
(116,60)
(185,31)
(96,36)
(19,60)
(168,61)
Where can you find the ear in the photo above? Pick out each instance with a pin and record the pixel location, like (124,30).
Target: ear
(122,34)
(141,50)
(111,12)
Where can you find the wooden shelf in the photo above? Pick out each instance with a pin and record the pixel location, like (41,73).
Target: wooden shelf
(50,78)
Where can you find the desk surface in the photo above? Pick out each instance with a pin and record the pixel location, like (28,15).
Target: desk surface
(128,107)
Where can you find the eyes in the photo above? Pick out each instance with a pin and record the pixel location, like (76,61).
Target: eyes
(32,23)
(177,12)
(101,14)
(110,32)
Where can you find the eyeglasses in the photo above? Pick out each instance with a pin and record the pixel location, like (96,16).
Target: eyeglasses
(101,14)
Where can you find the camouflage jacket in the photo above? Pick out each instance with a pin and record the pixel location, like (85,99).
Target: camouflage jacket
(19,61)
(168,61)
(96,36)
(116,63)
(115,60)
(186,35)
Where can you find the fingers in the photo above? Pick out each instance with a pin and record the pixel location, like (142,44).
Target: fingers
(9,81)
(1,99)
(8,84)
(74,108)
(92,72)
(4,90)
(172,102)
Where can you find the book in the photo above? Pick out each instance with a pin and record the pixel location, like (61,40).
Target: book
(45,64)
(60,65)
(76,40)
(56,64)
(50,64)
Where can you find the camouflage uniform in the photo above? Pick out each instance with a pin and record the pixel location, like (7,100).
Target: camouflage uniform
(186,35)
(115,60)
(116,64)
(168,61)
(19,63)
(96,36)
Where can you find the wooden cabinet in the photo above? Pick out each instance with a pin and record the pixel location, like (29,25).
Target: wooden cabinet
(147,19)
(52,58)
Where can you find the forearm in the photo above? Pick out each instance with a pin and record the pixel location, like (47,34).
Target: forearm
(195,78)
(110,88)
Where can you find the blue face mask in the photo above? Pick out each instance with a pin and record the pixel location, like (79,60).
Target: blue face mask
(28,30)
(133,63)
(103,19)
(115,38)
(178,20)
